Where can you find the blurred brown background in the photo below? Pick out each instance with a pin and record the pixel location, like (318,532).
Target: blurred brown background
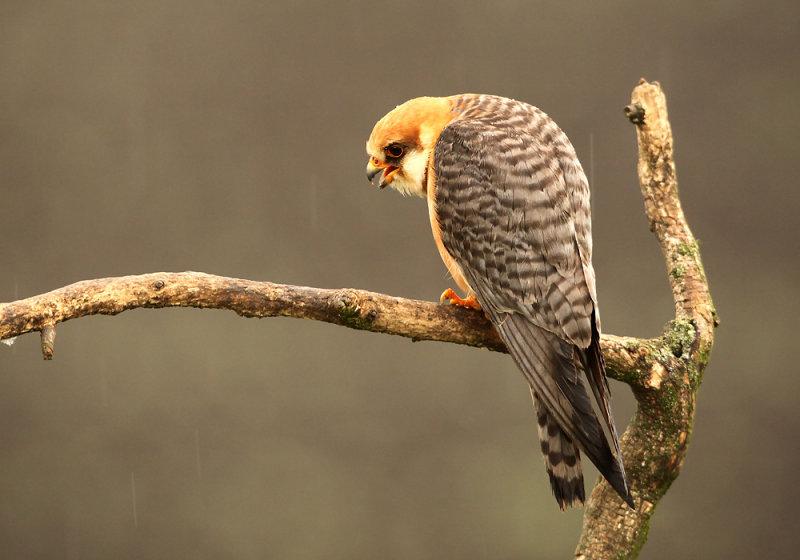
(229,138)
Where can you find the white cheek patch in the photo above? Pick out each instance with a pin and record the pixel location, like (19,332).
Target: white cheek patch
(412,178)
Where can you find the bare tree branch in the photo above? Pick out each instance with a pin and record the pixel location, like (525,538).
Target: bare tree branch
(663,373)
(357,309)
(655,443)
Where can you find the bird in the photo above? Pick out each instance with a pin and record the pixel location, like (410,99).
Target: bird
(508,203)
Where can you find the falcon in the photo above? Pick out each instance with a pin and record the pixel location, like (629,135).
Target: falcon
(509,208)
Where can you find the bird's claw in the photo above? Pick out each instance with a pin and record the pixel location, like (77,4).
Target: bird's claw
(469,302)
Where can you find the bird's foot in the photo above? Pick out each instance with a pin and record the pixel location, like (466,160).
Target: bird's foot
(469,302)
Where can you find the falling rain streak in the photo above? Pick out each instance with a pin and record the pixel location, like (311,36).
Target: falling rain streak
(104,388)
(312,204)
(197,454)
(133,500)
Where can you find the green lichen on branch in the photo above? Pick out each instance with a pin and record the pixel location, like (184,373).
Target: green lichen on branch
(686,249)
(680,337)
(678,271)
(352,316)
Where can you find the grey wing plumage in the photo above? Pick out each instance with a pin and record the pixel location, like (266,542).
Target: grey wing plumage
(512,204)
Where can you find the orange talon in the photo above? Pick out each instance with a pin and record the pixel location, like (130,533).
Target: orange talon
(447,294)
(469,302)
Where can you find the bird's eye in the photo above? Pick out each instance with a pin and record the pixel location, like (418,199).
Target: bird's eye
(395,150)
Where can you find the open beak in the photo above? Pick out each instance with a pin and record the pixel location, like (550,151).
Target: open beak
(376,166)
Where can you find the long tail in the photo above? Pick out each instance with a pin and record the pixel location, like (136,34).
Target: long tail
(550,366)
(561,459)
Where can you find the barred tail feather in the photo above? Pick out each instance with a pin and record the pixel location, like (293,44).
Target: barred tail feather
(561,459)
(549,365)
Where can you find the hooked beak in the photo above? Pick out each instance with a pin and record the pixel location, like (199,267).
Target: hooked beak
(375,166)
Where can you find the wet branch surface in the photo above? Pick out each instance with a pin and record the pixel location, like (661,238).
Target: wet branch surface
(663,373)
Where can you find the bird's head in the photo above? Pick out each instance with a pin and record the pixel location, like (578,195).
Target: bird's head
(401,143)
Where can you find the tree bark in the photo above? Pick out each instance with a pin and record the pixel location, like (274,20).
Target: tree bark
(656,441)
(664,373)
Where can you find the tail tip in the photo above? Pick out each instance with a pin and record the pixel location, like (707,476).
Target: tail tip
(628,499)
(567,492)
